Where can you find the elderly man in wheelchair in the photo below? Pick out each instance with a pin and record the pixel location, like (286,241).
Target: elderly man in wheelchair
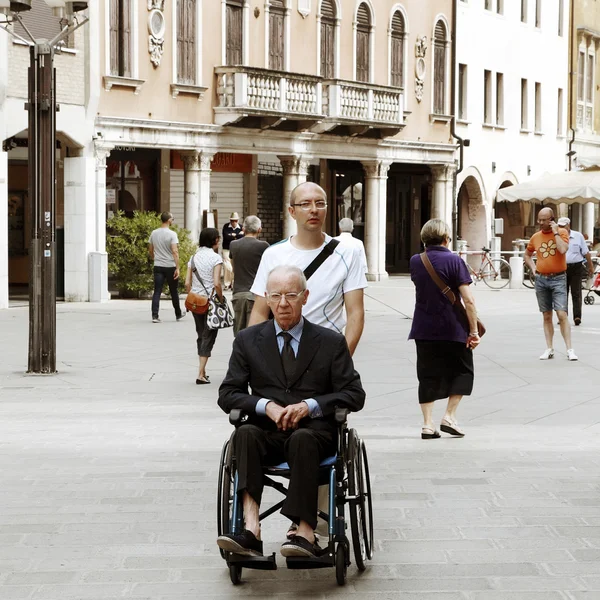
(303,384)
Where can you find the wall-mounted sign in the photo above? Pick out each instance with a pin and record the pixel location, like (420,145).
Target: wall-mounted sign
(111,196)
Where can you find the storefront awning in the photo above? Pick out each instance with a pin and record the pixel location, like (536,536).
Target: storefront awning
(569,187)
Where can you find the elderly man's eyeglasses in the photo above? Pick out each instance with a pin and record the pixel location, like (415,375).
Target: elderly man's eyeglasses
(306,206)
(289,296)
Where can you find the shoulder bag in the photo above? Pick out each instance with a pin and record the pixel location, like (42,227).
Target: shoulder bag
(194,302)
(459,307)
(320,258)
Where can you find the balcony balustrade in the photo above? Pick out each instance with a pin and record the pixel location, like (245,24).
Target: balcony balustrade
(274,99)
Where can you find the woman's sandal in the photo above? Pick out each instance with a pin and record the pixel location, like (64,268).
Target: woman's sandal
(452,428)
(427,433)
(202,380)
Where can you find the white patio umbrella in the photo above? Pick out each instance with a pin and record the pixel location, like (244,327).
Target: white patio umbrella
(569,187)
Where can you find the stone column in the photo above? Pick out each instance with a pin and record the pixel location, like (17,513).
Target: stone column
(295,172)
(196,186)
(3,229)
(81,228)
(588,220)
(375,196)
(441,205)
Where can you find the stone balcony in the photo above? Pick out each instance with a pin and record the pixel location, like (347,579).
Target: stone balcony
(265,99)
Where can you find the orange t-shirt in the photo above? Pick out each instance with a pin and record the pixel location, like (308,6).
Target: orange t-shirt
(549,259)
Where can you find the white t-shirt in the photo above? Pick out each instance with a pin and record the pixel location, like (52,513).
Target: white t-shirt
(341,273)
(349,240)
(205,260)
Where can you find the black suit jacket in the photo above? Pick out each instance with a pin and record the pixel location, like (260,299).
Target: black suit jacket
(324,371)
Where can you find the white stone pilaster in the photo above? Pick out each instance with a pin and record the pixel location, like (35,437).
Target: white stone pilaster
(196,185)
(375,217)
(295,172)
(80,224)
(3,229)
(442,201)
(588,220)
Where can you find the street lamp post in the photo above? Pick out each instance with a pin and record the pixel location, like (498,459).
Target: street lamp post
(41,106)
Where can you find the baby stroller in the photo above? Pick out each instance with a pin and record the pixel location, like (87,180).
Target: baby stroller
(592,284)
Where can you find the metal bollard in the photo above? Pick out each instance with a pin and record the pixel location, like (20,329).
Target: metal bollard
(516,273)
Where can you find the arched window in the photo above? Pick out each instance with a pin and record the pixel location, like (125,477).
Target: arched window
(440,44)
(328,15)
(397,50)
(363,43)
(276,35)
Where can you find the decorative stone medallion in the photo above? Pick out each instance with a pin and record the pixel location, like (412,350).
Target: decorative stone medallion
(156,30)
(420,68)
(304,8)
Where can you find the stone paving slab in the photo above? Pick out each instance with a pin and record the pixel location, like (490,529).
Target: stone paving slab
(109,468)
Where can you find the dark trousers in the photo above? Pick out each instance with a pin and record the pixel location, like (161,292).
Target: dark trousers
(574,276)
(162,274)
(302,448)
(206,337)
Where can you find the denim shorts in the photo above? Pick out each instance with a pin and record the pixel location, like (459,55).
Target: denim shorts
(551,292)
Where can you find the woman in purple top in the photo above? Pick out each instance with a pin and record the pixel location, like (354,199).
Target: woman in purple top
(444,347)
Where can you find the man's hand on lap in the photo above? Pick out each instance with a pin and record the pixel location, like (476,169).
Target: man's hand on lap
(292,415)
(274,411)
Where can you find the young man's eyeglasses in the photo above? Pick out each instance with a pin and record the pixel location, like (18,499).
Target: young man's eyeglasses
(306,206)
(289,296)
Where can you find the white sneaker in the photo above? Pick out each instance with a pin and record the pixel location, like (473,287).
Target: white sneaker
(571,354)
(549,353)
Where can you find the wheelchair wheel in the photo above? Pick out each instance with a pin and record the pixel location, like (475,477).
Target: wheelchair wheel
(224,493)
(361,508)
(340,564)
(235,574)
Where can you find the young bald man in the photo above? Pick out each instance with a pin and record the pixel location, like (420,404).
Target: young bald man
(336,298)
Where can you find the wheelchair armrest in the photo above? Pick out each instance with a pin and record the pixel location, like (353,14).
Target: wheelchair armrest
(341,415)
(237,416)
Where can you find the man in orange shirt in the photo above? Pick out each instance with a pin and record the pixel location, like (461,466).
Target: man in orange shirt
(551,245)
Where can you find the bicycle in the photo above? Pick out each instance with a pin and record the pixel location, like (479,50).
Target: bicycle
(494,272)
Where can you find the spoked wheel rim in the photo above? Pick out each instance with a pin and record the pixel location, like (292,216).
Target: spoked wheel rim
(224,500)
(496,275)
(358,509)
(368,502)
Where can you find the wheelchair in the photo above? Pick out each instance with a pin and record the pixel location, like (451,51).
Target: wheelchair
(347,474)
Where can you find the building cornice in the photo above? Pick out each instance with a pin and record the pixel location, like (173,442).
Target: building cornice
(145,133)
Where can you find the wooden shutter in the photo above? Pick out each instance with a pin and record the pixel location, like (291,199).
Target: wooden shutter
(114,37)
(125,45)
(397,49)
(276,49)
(439,69)
(363,34)
(186,41)
(327,39)
(234,34)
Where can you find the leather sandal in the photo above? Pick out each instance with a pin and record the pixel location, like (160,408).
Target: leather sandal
(452,428)
(427,433)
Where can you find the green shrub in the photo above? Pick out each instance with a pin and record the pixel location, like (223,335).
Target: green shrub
(127,246)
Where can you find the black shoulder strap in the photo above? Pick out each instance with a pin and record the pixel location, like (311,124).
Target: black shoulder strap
(321,258)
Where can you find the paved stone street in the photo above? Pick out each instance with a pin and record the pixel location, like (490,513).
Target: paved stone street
(109,468)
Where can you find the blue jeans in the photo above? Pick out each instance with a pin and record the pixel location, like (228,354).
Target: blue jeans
(551,292)
(162,274)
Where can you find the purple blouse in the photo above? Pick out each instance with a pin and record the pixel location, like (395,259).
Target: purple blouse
(434,317)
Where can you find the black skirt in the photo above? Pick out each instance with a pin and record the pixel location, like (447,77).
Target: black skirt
(443,369)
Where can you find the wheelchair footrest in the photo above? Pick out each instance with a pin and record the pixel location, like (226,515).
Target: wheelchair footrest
(327,559)
(264,563)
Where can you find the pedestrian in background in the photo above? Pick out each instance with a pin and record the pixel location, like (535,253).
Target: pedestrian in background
(444,347)
(245,255)
(550,244)
(163,247)
(204,277)
(579,261)
(231,231)
(346,227)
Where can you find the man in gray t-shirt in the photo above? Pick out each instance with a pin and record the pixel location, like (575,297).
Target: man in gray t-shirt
(164,251)
(245,254)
